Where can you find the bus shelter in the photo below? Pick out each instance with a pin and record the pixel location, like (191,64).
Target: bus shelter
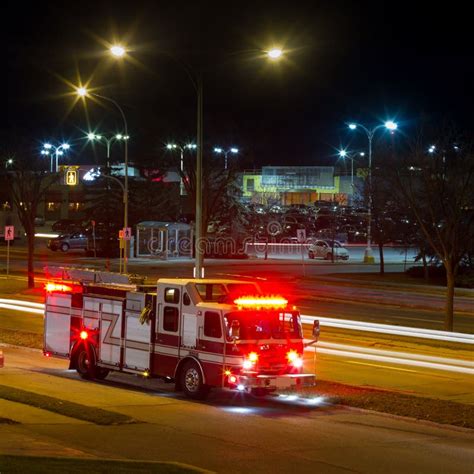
(164,239)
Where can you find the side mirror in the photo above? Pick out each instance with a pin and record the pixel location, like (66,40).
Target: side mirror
(316,329)
(235,329)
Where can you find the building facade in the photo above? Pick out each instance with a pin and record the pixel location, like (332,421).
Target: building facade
(286,185)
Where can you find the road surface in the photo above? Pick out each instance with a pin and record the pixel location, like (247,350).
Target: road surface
(227,433)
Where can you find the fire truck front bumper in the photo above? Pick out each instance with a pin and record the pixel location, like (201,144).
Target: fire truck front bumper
(270,383)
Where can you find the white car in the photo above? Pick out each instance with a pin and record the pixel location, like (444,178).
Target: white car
(323,249)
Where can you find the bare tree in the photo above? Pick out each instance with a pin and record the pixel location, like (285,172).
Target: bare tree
(438,187)
(27,184)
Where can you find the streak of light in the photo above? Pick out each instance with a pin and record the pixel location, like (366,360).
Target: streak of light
(402,359)
(391,329)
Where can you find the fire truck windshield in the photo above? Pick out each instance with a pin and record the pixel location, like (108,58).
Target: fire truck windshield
(266,324)
(221,293)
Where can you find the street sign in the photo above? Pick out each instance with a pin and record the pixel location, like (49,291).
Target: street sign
(71,177)
(9,232)
(301,235)
(127,233)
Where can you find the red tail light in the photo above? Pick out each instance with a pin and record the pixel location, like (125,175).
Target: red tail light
(84,335)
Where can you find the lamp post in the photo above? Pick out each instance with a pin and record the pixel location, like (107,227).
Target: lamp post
(54,152)
(108,142)
(220,151)
(345,154)
(389,125)
(83,92)
(273,54)
(174,146)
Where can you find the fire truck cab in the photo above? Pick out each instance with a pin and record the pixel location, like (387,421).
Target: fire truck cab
(200,333)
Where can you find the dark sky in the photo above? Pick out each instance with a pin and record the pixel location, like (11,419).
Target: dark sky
(345,60)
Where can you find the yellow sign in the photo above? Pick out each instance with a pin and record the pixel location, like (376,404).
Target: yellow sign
(71,177)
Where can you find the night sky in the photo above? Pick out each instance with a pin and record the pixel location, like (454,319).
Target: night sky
(345,61)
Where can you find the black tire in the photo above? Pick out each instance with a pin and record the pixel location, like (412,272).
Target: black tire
(64,247)
(311,255)
(85,362)
(192,381)
(100,373)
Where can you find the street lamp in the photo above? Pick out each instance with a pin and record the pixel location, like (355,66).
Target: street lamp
(220,151)
(108,142)
(83,92)
(196,80)
(345,154)
(174,146)
(389,125)
(275,53)
(54,152)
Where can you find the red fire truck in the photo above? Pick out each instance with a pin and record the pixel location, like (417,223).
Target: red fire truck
(199,333)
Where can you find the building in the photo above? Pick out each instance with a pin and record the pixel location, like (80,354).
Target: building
(287,185)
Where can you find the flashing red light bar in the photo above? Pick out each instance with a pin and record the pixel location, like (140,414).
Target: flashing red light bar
(51,286)
(84,335)
(261,302)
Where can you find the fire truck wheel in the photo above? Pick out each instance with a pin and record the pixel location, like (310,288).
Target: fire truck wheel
(192,381)
(85,363)
(100,373)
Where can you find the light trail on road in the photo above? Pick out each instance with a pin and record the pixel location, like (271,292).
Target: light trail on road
(392,357)
(391,329)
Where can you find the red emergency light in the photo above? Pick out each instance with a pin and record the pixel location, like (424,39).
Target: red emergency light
(51,286)
(259,302)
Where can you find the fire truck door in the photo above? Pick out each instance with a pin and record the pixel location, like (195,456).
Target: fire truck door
(211,335)
(168,326)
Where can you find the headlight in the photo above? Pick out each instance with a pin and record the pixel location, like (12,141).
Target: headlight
(294,359)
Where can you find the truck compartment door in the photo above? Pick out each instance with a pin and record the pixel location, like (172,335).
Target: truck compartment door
(110,331)
(138,329)
(57,324)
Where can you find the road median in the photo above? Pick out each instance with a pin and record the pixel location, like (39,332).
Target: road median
(394,403)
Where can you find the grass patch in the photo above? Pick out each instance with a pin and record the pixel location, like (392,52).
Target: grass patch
(64,407)
(395,403)
(21,338)
(31,464)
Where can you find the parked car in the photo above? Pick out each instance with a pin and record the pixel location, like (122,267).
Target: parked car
(66,242)
(324,249)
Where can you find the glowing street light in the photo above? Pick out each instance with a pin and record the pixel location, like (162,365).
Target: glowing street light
(174,146)
(389,125)
(220,151)
(83,92)
(275,53)
(118,51)
(197,82)
(343,153)
(54,152)
(108,142)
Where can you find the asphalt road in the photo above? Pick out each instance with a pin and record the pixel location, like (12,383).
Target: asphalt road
(228,433)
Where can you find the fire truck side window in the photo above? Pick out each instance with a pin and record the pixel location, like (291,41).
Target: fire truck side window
(212,324)
(172,295)
(170,319)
